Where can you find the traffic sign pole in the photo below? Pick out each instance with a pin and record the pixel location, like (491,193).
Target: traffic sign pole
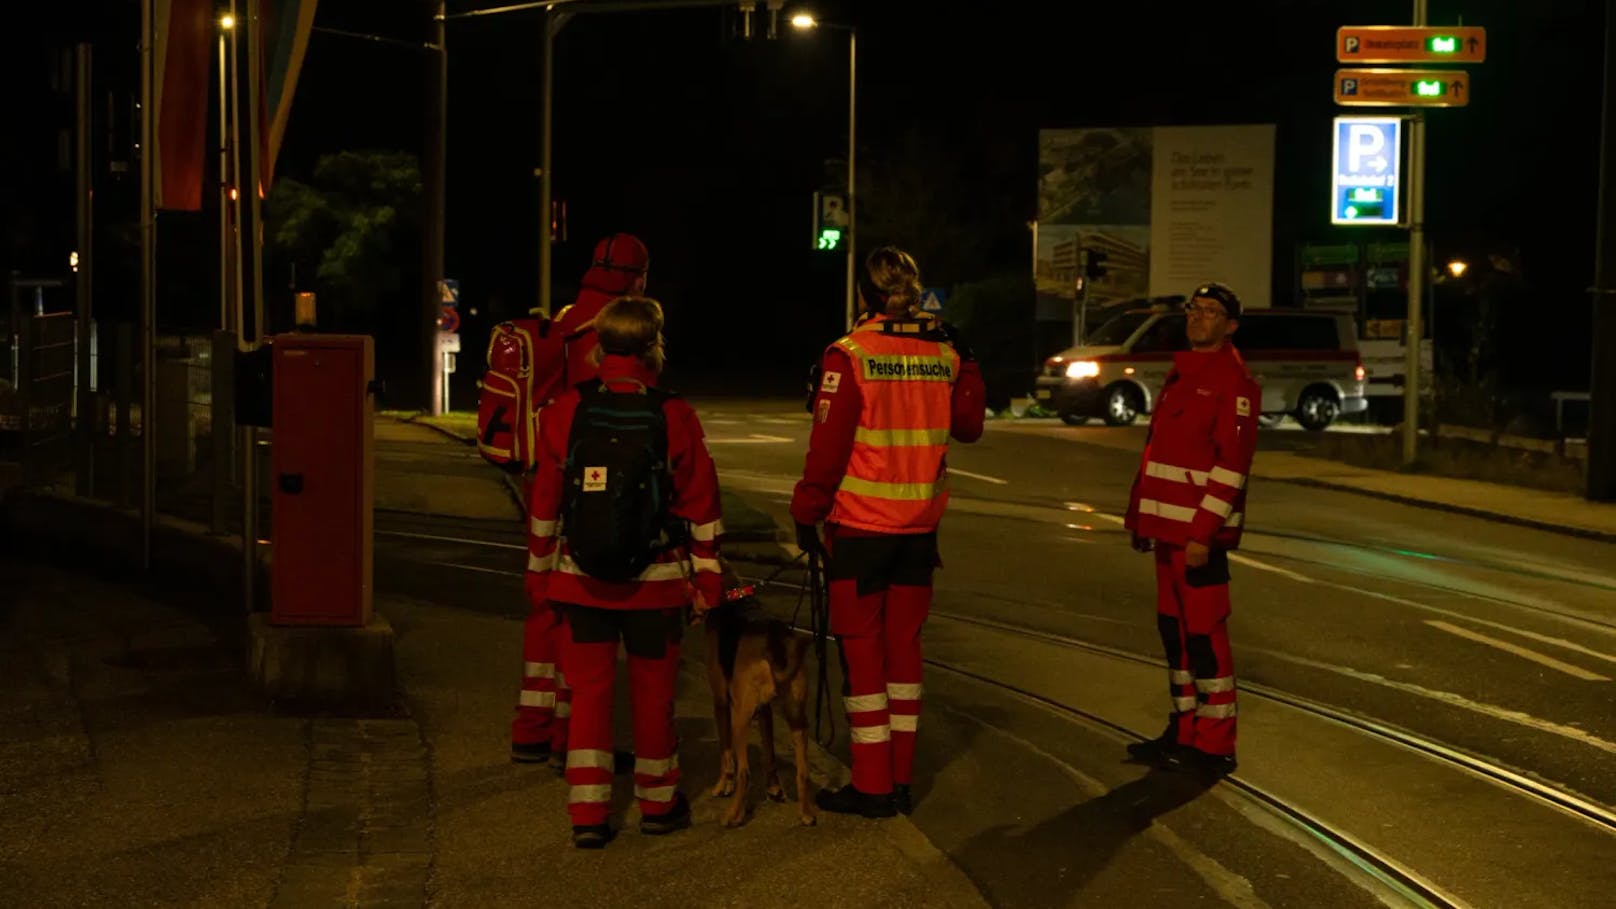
(1416,274)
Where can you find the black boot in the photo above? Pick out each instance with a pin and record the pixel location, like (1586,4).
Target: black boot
(592,836)
(903,799)
(663,824)
(848,800)
(1207,767)
(530,752)
(1161,751)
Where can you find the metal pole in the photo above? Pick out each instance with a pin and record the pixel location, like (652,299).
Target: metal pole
(852,180)
(545,138)
(1416,275)
(235,318)
(436,209)
(222,429)
(83,278)
(148,287)
(1602,384)
(252,313)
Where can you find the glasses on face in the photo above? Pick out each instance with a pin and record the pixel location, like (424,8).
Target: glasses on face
(1204,310)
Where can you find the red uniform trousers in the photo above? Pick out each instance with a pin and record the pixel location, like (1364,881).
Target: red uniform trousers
(880,595)
(545,702)
(651,637)
(1192,613)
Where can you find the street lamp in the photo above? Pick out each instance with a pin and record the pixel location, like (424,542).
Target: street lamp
(1458,267)
(227,22)
(805,22)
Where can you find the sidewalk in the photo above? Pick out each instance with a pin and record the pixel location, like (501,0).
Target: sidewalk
(132,745)
(1552,511)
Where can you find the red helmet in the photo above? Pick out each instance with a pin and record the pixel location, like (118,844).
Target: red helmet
(621,252)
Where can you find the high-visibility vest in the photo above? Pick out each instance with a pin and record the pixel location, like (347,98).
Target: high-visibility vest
(895,480)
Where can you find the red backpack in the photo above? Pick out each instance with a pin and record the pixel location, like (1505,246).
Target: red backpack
(527,364)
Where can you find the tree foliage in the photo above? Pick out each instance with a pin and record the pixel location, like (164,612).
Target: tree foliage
(348,233)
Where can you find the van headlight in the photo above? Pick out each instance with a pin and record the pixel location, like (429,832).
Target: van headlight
(1082,369)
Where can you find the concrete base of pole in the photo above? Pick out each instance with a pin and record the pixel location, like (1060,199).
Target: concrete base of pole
(345,669)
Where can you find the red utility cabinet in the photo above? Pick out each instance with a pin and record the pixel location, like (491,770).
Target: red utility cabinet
(321,480)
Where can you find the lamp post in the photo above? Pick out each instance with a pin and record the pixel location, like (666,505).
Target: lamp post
(804,22)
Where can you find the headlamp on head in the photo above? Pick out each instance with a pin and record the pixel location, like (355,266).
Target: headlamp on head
(1212,290)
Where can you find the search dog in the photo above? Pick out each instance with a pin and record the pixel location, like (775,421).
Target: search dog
(752,663)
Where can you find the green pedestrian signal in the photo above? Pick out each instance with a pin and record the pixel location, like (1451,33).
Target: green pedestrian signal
(830,238)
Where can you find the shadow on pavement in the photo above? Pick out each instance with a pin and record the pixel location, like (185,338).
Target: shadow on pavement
(1079,842)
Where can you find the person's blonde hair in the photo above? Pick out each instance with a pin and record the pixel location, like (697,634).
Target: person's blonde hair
(631,326)
(894,273)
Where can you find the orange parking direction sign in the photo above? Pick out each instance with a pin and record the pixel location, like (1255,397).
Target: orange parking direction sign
(1402,87)
(1410,44)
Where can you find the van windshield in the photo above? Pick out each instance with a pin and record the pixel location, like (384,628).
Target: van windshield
(1118,330)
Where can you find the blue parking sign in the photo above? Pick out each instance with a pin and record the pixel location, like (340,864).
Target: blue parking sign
(1366,186)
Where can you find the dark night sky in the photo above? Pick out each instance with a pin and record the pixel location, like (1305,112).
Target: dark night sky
(709,147)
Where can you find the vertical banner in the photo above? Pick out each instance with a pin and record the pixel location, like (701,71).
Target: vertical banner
(1212,210)
(183,35)
(1170,207)
(283,36)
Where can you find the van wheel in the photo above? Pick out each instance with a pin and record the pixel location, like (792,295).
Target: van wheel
(1316,410)
(1122,405)
(1073,419)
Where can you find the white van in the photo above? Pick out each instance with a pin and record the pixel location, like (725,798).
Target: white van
(1306,362)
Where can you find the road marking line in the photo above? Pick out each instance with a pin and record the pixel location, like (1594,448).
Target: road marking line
(1518,650)
(712,421)
(427,536)
(498,571)
(755,438)
(1264,566)
(977,476)
(1474,620)
(1453,700)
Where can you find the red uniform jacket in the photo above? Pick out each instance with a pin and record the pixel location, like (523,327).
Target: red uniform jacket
(551,573)
(1191,483)
(836,420)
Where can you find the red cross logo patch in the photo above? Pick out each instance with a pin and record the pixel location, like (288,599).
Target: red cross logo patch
(594,479)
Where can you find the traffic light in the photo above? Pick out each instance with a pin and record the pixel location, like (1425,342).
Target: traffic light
(830,221)
(1094,267)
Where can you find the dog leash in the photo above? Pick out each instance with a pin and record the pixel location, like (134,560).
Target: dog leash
(819,618)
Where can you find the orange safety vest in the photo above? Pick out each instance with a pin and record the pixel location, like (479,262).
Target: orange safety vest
(896,481)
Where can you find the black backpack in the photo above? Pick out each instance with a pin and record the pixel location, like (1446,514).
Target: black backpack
(618,483)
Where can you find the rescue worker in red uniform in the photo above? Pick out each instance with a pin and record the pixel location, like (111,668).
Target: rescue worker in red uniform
(1189,505)
(891,394)
(539,730)
(618,269)
(645,613)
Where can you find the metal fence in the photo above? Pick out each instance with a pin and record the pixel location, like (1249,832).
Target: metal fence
(76,423)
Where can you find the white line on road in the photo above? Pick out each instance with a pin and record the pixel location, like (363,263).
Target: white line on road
(1518,650)
(498,571)
(753,439)
(1264,566)
(978,476)
(1453,700)
(437,539)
